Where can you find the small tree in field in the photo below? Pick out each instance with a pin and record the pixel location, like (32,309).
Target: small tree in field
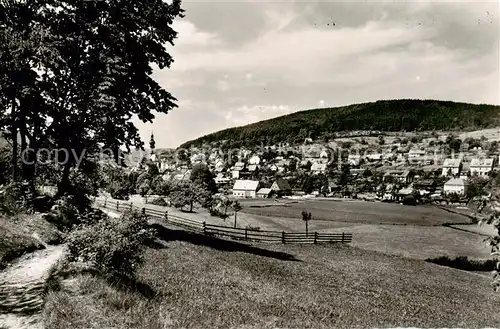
(236,207)
(306,217)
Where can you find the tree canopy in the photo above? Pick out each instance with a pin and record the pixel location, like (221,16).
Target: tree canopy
(74,74)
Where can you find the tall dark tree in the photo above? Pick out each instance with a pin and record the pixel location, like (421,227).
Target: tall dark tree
(84,68)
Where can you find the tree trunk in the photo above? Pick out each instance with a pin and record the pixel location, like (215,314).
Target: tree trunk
(14,138)
(191,206)
(307,229)
(235,215)
(64,184)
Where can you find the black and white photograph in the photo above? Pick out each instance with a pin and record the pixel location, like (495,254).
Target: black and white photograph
(249,164)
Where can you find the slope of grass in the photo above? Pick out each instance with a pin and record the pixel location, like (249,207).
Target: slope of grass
(205,283)
(24,233)
(384,115)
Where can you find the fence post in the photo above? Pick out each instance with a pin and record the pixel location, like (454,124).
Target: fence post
(246,234)
(117,205)
(131,205)
(144,211)
(343,237)
(315,237)
(166,215)
(283,237)
(106,199)
(204,228)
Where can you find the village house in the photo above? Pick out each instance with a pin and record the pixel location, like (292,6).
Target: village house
(374,157)
(264,193)
(221,180)
(245,188)
(402,176)
(354,159)
(254,160)
(253,168)
(452,167)
(481,167)
(456,185)
(414,154)
(281,187)
(219,165)
(318,168)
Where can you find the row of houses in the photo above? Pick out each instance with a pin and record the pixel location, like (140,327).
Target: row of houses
(243,188)
(477,166)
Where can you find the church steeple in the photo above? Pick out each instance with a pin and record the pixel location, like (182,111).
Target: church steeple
(152,142)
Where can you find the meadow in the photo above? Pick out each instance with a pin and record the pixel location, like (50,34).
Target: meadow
(198,282)
(359,212)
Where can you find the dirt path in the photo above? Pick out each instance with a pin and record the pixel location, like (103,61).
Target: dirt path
(22,286)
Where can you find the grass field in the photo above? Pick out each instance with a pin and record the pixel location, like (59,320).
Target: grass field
(356,212)
(198,282)
(403,235)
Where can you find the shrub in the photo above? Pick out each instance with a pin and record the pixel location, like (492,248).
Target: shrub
(465,264)
(64,214)
(14,198)
(113,245)
(409,200)
(159,202)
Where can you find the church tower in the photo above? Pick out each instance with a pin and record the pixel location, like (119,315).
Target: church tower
(152,142)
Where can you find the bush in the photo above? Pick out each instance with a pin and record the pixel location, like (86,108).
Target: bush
(14,198)
(409,200)
(159,202)
(113,245)
(465,264)
(64,214)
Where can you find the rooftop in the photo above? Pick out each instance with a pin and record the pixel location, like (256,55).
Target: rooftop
(246,185)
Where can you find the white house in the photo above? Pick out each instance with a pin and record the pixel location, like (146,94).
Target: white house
(481,167)
(318,168)
(456,185)
(415,154)
(451,167)
(219,165)
(220,179)
(264,193)
(353,159)
(374,157)
(254,160)
(245,188)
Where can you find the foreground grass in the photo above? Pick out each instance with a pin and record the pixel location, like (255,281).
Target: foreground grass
(24,233)
(203,283)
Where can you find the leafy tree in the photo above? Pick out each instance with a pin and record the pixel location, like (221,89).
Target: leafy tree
(183,195)
(201,175)
(476,188)
(73,79)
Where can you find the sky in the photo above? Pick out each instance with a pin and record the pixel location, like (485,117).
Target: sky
(239,62)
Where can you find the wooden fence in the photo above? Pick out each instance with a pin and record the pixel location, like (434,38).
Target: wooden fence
(243,234)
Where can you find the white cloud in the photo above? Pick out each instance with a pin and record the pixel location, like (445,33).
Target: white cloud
(223,85)
(321,102)
(189,35)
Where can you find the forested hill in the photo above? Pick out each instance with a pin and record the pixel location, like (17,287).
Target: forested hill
(384,115)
